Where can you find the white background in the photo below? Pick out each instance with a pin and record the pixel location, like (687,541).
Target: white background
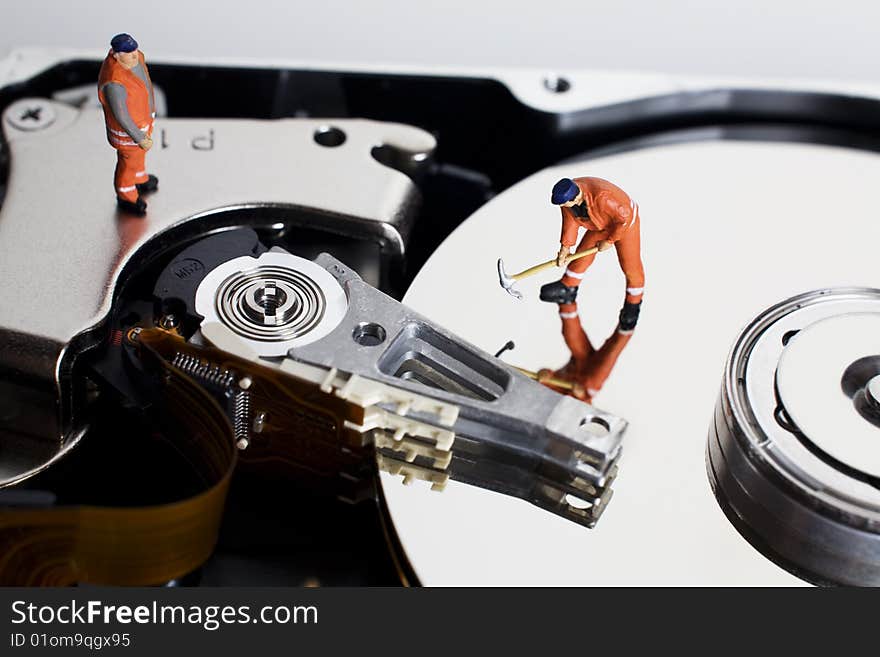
(781,39)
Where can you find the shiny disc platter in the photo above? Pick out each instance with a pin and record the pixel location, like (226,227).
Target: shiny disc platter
(729,228)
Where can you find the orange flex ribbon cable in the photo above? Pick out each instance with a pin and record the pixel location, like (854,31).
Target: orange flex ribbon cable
(306,434)
(145,545)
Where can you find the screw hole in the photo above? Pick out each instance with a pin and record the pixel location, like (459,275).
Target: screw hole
(368,335)
(596,425)
(329,136)
(556,84)
(270,300)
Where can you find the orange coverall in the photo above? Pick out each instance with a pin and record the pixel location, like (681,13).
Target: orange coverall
(130,158)
(614,217)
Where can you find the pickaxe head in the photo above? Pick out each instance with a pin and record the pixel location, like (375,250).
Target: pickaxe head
(507,281)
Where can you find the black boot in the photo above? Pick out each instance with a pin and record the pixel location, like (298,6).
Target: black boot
(139,207)
(629,316)
(151,185)
(558,292)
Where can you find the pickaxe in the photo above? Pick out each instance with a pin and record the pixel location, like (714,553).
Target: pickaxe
(507,281)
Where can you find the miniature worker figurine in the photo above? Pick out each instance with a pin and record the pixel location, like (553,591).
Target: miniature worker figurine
(126,94)
(610,218)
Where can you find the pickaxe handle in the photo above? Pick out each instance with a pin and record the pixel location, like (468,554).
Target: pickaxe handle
(559,383)
(552,263)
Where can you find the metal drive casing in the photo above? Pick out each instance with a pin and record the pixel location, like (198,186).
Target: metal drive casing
(67,252)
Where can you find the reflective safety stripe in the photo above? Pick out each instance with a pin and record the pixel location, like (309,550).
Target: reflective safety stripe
(126,138)
(123,133)
(567,315)
(141,173)
(635,291)
(573,274)
(625,332)
(126,189)
(634,207)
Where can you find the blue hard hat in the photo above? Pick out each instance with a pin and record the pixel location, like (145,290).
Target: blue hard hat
(563,191)
(123,43)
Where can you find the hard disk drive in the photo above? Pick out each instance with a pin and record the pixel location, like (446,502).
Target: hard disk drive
(232,388)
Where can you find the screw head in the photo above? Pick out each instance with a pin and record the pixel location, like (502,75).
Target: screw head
(169,322)
(30,114)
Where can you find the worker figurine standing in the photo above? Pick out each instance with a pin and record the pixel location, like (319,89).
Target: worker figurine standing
(126,94)
(610,218)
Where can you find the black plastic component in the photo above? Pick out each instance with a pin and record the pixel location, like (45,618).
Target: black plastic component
(175,290)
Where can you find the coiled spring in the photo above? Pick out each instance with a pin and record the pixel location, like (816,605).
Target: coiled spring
(203,370)
(241,421)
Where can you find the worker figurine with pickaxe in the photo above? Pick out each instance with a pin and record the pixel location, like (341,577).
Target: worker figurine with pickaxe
(611,218)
